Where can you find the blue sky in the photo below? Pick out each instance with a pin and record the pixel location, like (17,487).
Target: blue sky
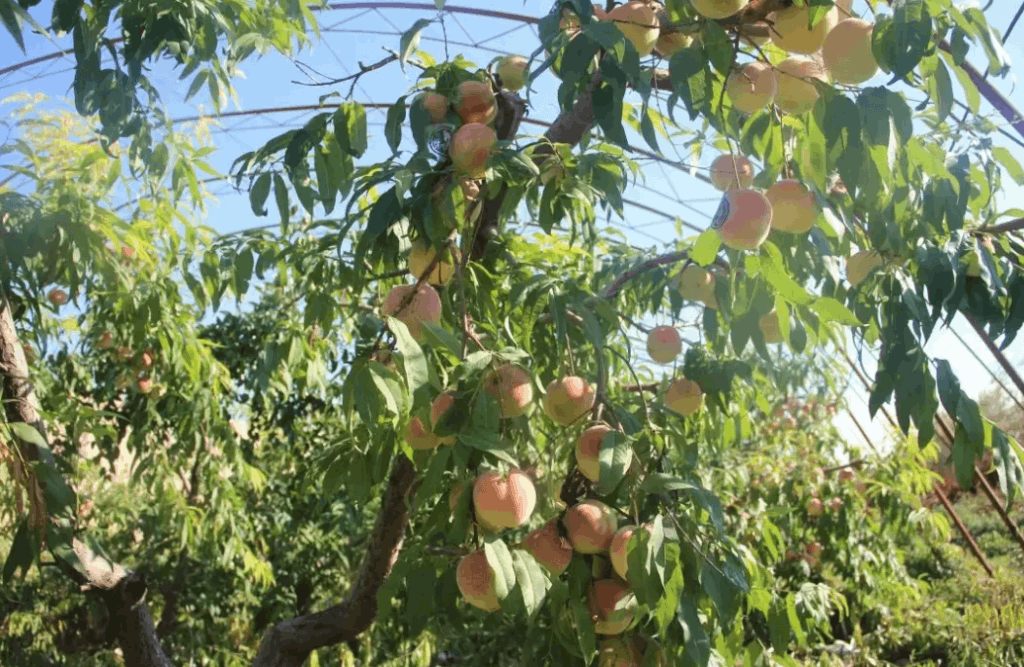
(363,32)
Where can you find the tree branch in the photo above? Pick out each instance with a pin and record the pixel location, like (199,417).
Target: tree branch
(290,642)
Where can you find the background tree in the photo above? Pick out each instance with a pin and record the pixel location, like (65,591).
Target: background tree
(350,376)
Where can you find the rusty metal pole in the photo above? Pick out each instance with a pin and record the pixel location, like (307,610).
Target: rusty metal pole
(989,492)
(997,353)
(963,531)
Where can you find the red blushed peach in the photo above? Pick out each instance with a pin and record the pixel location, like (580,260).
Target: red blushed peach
(418,436)
(438,408)
(588,450)
(790,31)
(752,87)
(794,209)
(847,52)
(568,399)
(743,220)
(436,106)
(591,525)
(474,102)
(730,171)
(475,579)
(511,386)
(512,70)
(504,502)
(684,396)
(618,548)
(549,548)
(471,148)
(664,344)
(769,325)
(424,306)
(602,599)
(638,21)
(815,507)
(796,90)
(860,264)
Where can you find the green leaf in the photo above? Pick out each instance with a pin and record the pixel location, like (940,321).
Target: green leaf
(23,552)
(11,15)
(393,125)
(258,194)
(706,248)
(942,86)
(410,40)
(695,638)
(833,310)
(718,46)
(28,433)
(948,385)
(281,196)
(1008,465)
(533,582)
(1010,164)
(490,444)
(417,374)
(615,457)
(243,272)
(387,383)
(772,267)
(691,79)
(350,128)
(500,560)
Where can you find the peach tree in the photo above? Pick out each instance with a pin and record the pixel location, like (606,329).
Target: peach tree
(486,391)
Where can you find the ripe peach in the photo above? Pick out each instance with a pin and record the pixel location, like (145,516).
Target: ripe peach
(441,405)
(602,599)
(425,306)
(105,341)
(57,297)
(417,435)
(847,52)
(511,386)
(549,548)
(420,257)
(664,344)
(588,451)
(752,87)
(471,147)
(144,385)
(846,474)
(638,21)
(743,219)
(790,31)
(860,264)
(794,209)
(814,549)
(474,102)
(435,104)
(504,501)
(475,579)
(684,396)
(512,70)
(618,548)
(769,325)
(796,93)
(619,652)
(717,9)
(591,526)
(147,359)
(671,42)
(815,507)
(568,399)
(730,171)
(835,503)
